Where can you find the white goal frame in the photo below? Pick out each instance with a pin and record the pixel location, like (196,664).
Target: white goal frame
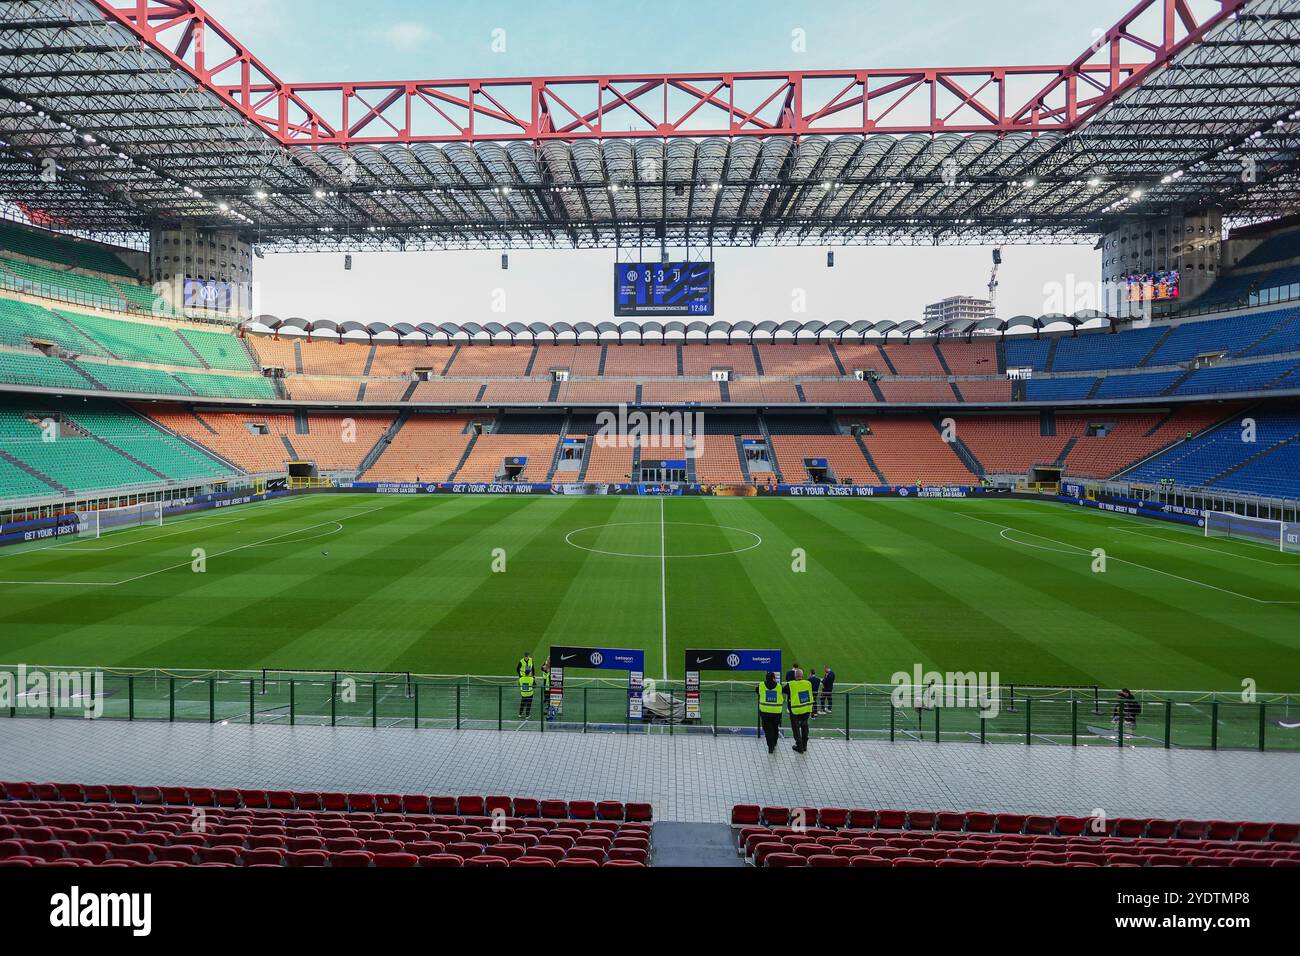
(1279,535)
(96,524)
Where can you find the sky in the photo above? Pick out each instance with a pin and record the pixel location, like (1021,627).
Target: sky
(323,40)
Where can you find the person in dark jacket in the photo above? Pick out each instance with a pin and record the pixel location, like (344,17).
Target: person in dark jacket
(817,689)
(828,690)
(1128,708)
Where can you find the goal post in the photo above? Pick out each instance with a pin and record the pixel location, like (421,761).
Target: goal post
(95,524)
(1278,535)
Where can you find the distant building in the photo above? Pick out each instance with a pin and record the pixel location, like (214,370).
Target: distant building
(957,307)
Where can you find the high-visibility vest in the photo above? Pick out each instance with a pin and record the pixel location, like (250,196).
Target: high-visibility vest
(801,697)
(525,666)
(526,683)
(770,699)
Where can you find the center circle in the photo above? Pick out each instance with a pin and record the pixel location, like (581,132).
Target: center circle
(658,551)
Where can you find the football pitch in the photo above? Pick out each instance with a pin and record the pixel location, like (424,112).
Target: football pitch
(463,584)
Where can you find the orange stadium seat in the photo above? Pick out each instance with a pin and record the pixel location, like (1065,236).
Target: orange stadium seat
(427,447)
(580,360)
(508,393)
(841,452)
(485,459)
(978,357)
(763,391)
(609,462)
(1010,443)
(700,359)
(791,359)
(927,392)
(638,360)
(909,448)
(913,358)
(678,392)
(853,392)
(600,391)
(491,361)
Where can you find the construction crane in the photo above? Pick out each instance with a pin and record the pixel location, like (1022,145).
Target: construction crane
(993,280)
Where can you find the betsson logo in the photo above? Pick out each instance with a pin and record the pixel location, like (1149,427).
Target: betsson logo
(75,909)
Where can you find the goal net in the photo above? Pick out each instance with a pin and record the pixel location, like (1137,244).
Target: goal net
(1278,535)
(93,524)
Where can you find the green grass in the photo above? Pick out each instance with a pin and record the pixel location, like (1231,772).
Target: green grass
(406,585)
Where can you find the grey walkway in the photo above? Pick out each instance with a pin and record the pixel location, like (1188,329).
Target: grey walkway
(693,779)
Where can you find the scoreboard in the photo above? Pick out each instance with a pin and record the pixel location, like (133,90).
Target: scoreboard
(663,288)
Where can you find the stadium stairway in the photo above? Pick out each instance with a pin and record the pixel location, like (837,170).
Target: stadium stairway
(383,442)
(187,441)
(866,453)
(695,844)
(87,433)
(960,447)
(771,451)
(469,447)
(1246,462)
(28,469)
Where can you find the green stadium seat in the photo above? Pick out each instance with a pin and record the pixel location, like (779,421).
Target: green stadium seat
(21,323)
(135,341)
(39,370)
(41,244)
(228,386)
(220,350)
(133,379)
(63,285)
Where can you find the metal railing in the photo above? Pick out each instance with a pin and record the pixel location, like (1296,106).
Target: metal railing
(1080,716)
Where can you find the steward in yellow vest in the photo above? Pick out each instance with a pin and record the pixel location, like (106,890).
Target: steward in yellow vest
(800,693)
(527,684)
(771,699)
(801,696)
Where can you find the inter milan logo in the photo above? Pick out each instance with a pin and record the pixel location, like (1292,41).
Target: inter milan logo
(597,658)
(733,660)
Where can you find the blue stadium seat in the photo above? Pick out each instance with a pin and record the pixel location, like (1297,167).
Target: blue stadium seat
(1139,385)
(1059,389)
(1198,461)
(1105,350)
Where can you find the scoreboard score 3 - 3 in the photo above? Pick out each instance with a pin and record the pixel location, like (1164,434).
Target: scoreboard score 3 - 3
(663,288)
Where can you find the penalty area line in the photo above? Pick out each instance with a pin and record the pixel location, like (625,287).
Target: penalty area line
(1082,550)
(186,564)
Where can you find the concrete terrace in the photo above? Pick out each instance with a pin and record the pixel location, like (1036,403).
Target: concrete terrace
(686,778)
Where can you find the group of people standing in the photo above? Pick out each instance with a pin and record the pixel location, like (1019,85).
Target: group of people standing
(529,679)
(803,697)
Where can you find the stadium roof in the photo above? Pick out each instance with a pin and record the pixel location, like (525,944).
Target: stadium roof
(117,114)
(510,333)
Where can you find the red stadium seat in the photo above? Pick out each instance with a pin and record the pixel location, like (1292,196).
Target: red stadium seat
(555,809)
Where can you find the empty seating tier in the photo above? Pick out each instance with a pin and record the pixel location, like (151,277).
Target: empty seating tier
(425,448)
(842,837)
(74,825)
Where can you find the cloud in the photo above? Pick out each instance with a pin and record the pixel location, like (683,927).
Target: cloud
(405,35)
